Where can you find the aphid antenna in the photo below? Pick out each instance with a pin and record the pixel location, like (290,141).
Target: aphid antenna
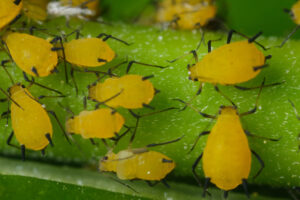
(107,36)
(109,99)
(33,82)
(3,62)
(164,143)
(9,97)
(144,64)
(289,36)
(138,117)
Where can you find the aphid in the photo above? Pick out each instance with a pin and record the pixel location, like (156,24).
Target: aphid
(135,91)
(139,163)
(35,56)
(93,5)
(295,14)
(186,14)
(35,9)
(230,64)
(298,117)
(9,10)
(100,123)
(226,158)
(30,121)
(58,8)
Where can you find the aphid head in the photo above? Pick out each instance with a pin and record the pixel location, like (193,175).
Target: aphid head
(108,162)
(228,110)
(15,88)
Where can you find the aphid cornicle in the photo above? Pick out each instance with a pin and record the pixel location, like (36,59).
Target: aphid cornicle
(30,121)
(226,157)
(134,91)
(35,56)
(186,14)
(100,123)
(9,10)
(139,163)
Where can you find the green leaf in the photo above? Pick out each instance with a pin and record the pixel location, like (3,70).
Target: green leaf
(275,118)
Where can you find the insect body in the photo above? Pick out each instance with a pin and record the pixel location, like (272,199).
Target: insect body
(92,5)
(227,156)
(135,91)
(30,121)
(230,64)
(35,56)
(9,10)
(186,14)
(88,52)
(138,164)
(99,123)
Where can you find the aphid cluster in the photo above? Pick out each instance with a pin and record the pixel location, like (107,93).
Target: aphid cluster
(226,158)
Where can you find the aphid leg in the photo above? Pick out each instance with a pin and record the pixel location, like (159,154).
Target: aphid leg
(140,63)
(194,97)
(194,170)
(245,186)
(148,106)
(105,144)
(295,110)
(196,110)
(32,82)
(17,2)
(74,81)
(43,152)
(229,37)
(226,97)
(261,163)
(60,40)
(117,139)
(23,152)
(8,96)
(288,37)
(186,54)
(44,96)
(225,194)
(8,142)
(76,31)
(250,40)
(165,183)
(261,137)
(15,19)
(106,37)
(152,184)
(93,142)
(109,99)
(206,184)
(47,135)
(3,62)
(174,22)
(209,44)
(67,136)
(197,139)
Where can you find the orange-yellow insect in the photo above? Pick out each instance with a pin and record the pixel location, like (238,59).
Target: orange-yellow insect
(135,91)
(139,163)
(100,123)
(35,56)
(30,121)
(35,9)
(295,14)
(226,157)
(233,63)
(9,10)
(186,14)
(88,52)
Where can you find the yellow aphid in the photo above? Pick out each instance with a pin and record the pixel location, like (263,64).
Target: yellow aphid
(230,64)
(35,9)
(296,12)
(138,164)
(92,5)
(30,121)
(88,52)
(9,10)
(134,91)
(227,156)
(101,123)
(186,14)
(34,55)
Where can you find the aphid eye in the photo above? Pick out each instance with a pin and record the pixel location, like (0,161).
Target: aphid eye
(105,158)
